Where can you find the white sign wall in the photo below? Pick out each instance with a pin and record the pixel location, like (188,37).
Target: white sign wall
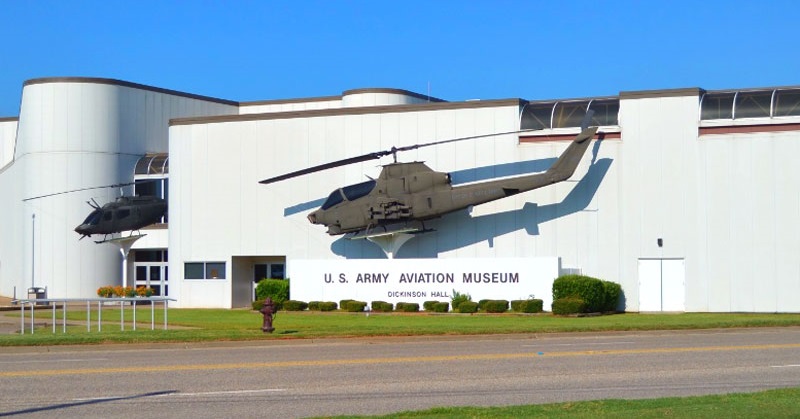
(420,280)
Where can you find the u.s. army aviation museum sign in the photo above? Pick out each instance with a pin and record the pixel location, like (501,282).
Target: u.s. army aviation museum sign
(420,280)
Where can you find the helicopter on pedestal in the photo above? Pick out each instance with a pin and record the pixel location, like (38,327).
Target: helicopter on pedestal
(405,195)
(125,213)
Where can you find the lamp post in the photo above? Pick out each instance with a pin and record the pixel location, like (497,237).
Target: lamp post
(33,247)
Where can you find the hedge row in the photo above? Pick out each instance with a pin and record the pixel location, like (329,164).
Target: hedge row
(488,306)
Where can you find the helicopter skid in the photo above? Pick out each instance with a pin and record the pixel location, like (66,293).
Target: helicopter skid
(119,239)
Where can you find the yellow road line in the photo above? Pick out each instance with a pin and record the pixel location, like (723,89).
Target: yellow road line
(367,361)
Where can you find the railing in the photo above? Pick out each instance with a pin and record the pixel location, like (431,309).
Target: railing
(53,302)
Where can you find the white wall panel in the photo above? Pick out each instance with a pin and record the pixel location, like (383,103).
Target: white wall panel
(8,137)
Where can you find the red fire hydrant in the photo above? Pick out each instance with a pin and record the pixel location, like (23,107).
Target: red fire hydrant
(268,310)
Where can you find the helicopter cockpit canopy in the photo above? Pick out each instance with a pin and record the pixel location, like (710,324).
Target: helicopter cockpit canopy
(94,218)
(351,192)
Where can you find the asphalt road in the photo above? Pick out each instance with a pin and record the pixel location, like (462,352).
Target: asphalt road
(284,379)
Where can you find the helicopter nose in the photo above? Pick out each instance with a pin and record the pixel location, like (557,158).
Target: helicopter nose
(312,218)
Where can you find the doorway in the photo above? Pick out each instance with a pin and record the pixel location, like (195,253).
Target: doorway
(662,285)
(151,270)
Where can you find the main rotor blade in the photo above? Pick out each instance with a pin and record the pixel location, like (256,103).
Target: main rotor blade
(116,185)
(394,150)
(351,160)
(453,140)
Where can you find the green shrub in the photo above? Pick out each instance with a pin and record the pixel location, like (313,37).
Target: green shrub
(354,306)
(343,304)
(612,292)
(257,304)
(533,305)
(327,306)
(294,305)
(428,305)
(277,289)
(496,306)
(468,307)
(381,306)
(441,307)
(459,298)
(569,305)
(407,307)
(590,289)
(482,304)
(322,306)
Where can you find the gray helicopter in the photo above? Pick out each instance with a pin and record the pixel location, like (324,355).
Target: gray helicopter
(405,195)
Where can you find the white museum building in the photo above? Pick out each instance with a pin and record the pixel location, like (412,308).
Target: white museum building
(688,198)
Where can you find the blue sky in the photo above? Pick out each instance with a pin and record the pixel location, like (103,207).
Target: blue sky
(455,50)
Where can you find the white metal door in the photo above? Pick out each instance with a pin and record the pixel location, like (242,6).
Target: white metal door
(649,285)
(662,285)
(673,287)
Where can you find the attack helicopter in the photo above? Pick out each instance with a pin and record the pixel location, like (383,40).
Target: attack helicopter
(405,195)
(125,213)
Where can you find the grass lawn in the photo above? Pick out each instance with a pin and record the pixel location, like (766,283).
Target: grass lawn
(782,403)
(212,324)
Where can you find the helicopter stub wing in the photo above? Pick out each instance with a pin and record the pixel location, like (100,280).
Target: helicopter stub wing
(388,230)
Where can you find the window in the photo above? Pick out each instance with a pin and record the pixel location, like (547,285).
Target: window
(204,270)
(334,198)
(215,270)
(268,271)
(358,190)
(193,270)
(750,104)
(717,106)
(787,102)
(151,256)
(570,114)
(93,218)
(151,270)
(535,116)
(158,187)
(606,112)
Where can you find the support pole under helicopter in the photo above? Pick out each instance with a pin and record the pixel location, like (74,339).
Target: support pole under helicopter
(124,244)
(391,243)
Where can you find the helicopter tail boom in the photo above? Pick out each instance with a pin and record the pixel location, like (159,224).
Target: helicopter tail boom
(561,170)
(566,164)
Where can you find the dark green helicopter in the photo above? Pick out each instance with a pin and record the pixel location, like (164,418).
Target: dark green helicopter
(126,213)
(405,195)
